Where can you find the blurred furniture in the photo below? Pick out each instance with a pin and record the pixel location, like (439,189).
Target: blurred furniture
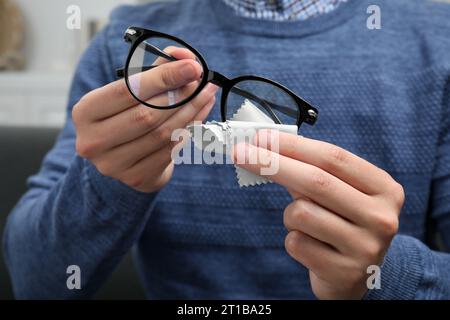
(11,40)
(22,150)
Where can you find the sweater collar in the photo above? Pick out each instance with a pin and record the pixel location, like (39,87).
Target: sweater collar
(282,10)
(233,21)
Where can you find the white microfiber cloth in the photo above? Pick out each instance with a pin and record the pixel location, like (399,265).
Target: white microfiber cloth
(243,125)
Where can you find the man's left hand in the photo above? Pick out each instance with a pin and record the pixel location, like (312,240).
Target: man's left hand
(344,214)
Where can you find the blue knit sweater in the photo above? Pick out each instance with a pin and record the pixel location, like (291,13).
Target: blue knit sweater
(383,94)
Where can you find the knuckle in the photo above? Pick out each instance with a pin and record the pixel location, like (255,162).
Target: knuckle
(337,156)
(394,191)
(144,116)
(388,224)
(79,109)
(320,180)
(163,133)
(86,149)
(168,78)
(77,114)
(303,254)
(133,180)
(300,211)
(85,98)
(105,168)
(398,194)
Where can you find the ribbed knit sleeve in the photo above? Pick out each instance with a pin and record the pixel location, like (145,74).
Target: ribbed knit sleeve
(71,214)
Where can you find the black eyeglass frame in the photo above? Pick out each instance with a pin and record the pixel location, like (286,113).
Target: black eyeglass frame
(135,36)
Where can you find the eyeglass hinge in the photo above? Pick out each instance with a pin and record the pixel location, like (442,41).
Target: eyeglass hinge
(312,116)
(130,34)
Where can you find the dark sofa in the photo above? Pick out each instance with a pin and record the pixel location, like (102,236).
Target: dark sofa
(22,150)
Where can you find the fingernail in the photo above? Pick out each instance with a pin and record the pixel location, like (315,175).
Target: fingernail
(213,88)
(188,71)
(210,88)
(209,104)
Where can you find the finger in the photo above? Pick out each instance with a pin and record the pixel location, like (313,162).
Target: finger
(137,121)
(322,224)
(180,120)
(126,155)
(115,97)
(343,164)
(203,114)
(163,78)
(140,120)
(177,53)
(313,254)
(182,93)
(169,98)
(310,181)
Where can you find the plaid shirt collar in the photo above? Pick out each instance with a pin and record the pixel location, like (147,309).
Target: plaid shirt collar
(281,10)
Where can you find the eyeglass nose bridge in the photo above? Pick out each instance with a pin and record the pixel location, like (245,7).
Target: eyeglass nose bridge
(220,80)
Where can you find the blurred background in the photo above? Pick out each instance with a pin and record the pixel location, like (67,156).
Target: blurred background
(50,51)
(38,54)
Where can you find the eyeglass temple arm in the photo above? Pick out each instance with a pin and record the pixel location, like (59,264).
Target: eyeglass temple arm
(157,52)
(120,73)
(262,102)
(149,48)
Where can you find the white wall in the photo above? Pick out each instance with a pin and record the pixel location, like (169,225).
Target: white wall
(49,44)
(37,96)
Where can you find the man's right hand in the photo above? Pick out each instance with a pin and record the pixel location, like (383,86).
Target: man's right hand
(132,142)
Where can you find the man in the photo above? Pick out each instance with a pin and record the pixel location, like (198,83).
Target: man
(384,96)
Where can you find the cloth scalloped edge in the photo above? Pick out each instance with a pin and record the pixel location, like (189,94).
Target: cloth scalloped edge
(248,118)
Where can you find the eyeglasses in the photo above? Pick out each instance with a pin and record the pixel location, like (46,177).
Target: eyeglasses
(149,50)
